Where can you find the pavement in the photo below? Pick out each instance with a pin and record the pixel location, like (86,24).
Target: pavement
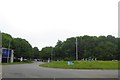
(34,71)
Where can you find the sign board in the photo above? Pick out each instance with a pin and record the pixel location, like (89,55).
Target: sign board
(6,52)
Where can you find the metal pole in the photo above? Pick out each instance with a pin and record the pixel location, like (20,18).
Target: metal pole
(8,52)
(1,41)
(76,50)
(51,53)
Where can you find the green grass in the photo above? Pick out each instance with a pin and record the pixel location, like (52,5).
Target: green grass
(83,65)
(28,62)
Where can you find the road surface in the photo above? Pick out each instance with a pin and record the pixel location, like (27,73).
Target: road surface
(34,71)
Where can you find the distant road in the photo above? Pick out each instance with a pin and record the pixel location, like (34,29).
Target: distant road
(34,71)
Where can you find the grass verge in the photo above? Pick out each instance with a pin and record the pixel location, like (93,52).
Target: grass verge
(83,65)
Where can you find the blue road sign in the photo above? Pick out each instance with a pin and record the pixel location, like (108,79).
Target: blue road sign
(6,53)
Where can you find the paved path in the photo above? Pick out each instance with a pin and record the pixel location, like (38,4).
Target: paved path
(34,71)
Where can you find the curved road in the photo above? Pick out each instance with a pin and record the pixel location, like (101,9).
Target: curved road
(34,71)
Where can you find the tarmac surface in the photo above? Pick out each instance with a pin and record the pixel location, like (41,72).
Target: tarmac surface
(34,71)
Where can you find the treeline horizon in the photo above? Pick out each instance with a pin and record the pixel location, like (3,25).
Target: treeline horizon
(100,47)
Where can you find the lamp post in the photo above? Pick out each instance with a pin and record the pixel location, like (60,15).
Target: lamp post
(76,50)
(51,54)
(8,52)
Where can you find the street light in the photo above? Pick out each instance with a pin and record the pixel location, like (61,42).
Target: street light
(76,50)
(8,52)
(51,54)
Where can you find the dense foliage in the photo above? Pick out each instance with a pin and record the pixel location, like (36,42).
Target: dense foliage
(21,47)
(102,48)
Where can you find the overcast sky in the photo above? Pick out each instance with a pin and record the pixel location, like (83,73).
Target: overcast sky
(44,22)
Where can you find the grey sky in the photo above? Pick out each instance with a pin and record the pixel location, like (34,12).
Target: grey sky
(44,22)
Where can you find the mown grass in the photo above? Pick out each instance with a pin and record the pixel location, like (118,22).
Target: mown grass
(83,65)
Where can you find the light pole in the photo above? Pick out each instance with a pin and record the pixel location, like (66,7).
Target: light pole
(51,54)
(0,40)
(8,52)
(76,50)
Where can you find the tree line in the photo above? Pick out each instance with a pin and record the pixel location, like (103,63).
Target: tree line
(102,48)
(21,47)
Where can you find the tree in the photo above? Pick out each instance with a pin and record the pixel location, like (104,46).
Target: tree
(36,53)
(6,40)
(68,49)
(57,51)
(45,53)
(102,48)
(22,48)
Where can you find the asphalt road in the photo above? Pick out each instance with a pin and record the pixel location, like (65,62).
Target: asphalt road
(34,71)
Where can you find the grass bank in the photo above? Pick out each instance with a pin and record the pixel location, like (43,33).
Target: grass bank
(83,65)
